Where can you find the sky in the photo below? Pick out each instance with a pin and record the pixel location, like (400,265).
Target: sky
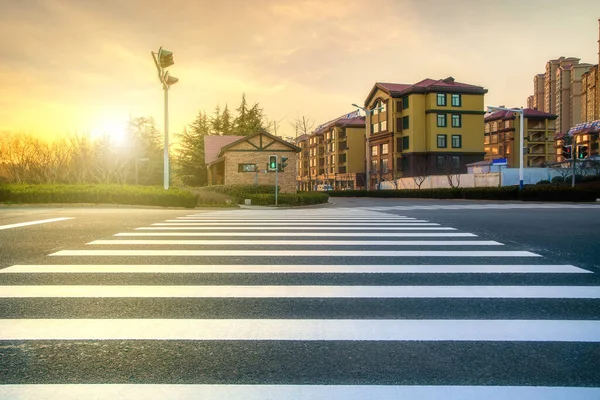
(85,66)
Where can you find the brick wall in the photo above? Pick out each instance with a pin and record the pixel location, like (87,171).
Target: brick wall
(287,179)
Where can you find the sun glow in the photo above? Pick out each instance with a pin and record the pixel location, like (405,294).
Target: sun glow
(115,130)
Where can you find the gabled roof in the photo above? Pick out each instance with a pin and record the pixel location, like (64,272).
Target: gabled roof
(261,132)
(213,145)
(448,85)
(529,113)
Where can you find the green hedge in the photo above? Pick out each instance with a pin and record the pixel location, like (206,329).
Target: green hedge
(239,192)
(538,193)
(289,199)
(98,194)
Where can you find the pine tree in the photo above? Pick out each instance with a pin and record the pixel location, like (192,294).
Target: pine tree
(216,122)
(227,122)
(240,121)
(190,166)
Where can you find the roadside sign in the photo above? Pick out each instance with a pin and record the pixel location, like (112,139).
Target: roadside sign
(500,161)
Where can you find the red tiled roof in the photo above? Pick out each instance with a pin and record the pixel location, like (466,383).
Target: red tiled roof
(529,113)
(344,120)
(426,85)
(213,144)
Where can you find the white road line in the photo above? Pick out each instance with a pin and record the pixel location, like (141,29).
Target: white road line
(294,220)
(292,253)
(296,392)
(216,242)
(295,269)
(41,221)
(296,292)
(299,234)
(323,228)
(306,329)
(292,223)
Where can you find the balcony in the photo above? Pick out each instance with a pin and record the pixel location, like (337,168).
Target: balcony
(342,146)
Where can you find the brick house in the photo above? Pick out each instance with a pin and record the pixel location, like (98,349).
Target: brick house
(242,160)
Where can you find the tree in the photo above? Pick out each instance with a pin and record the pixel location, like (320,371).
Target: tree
(421,172)
(216,122)
(227,122)
(452,175)
(302,126)
(190,160)
(146,152)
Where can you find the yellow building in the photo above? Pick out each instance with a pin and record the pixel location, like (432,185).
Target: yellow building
(333,155)
(590,95)
(502,135)
(427,128)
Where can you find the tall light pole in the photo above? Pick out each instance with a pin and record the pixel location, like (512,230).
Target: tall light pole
(368,114)
(164,59)
(521,111)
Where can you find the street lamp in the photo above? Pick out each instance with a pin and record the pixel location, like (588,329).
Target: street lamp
(368,113)
(164,59)
(521,111)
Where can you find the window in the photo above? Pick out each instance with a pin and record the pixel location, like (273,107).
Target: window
(246,167)
(398,106)
(375,128)
(405,102)
(384,165)
(383,126)
(405,163)
(373,150)
(405,143)
(384,148)
(455,162)
(456,121)
(384,105)
(342,158)
(494,151)
(441,162)
(441,99)
(405,122)
(456,100)
(373,166)
(441,141)
(456,141)
(398,164)
(441,120)
(398,144)
(399,124)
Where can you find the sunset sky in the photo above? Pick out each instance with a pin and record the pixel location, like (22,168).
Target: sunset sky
(84,65)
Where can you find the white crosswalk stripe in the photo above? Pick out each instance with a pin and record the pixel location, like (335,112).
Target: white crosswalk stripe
(314,303)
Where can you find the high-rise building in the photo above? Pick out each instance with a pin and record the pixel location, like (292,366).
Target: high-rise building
(590,109)
(530,101)
(538,92)
(550,100)
(568,95)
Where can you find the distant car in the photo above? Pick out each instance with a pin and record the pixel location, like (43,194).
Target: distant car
(324,188)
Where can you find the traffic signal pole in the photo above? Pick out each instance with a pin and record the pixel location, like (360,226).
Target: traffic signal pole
(276,183)
(573,171)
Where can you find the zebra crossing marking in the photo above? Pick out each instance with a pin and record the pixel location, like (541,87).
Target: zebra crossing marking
(216,242)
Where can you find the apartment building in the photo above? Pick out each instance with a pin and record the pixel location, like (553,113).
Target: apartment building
(427,128)
(590,95)
(568,95)
(335,155)
(538,92)
(303,179)
(502,136)
(530,101)
(550,77)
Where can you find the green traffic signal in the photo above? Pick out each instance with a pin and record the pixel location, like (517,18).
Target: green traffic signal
(272,163)
(582,152)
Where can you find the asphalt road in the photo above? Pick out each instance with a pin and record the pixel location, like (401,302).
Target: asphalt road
(518,309)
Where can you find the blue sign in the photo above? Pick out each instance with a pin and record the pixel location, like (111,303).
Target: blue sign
(500,161)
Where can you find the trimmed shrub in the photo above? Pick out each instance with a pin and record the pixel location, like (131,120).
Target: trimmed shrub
(532,192)
(97,194)
(590,178)
(289,199)
(558,179)
(238,193)
(543,182)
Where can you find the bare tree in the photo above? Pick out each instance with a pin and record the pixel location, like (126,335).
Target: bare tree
(421,172)
(452,175)
(302,126)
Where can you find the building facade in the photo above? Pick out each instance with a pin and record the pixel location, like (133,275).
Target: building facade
(550,79)
(502,136)
(334,155)
(429,128)
(245,162)
(590,94)
(568,95)
(538,92)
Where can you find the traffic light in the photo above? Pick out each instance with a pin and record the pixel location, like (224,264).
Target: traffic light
(273,163)
(567,152)
(283,163)
(165,58)
(582,152)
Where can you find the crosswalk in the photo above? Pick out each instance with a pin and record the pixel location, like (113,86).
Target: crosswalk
(483,207)
(298,304)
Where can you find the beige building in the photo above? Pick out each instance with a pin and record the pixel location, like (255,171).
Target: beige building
(590,94)
(244,161)
(333,155)
(538,92)
(502,136)
(568,95)
(550,89)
